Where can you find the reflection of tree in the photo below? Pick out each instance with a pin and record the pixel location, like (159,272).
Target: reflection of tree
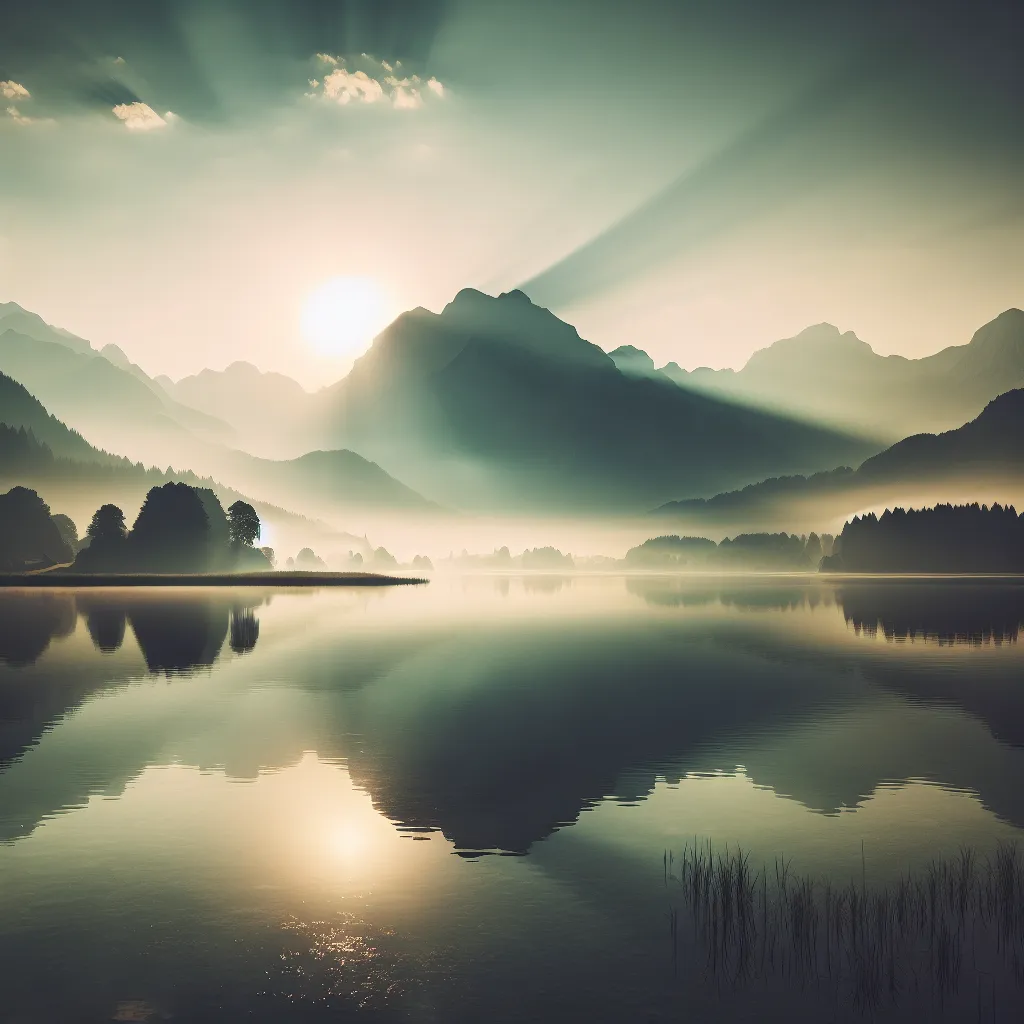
(105,622)
(952,613)
(245,630)
(680,592)
(29,621)
(176,636)
(545,584)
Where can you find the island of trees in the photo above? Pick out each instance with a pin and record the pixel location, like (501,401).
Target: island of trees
(944,539)
(179,529)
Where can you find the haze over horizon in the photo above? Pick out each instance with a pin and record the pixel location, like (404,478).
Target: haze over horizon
(694,179)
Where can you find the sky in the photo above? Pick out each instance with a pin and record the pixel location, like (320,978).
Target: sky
(697,178)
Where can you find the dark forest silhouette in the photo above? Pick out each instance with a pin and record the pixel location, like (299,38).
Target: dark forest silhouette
(755,552)
(179,529)
(944,539)
(29,537)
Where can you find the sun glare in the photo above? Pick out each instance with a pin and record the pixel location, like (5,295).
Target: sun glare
(344,314)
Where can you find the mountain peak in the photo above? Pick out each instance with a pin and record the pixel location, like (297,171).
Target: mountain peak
(1005,329)
(512,318)
(633,360)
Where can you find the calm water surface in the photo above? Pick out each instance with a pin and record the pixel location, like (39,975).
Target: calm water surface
(456,802)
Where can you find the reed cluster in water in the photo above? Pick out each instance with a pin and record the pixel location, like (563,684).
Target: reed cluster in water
(960,922)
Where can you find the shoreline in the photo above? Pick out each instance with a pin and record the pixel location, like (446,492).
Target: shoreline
(72,581)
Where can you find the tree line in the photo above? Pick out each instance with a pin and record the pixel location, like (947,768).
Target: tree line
(944,539)
(755,552)
(179,529)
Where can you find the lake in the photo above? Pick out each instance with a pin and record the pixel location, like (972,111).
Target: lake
(514,798)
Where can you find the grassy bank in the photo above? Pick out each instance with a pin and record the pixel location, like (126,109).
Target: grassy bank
(957,927)
(70,580)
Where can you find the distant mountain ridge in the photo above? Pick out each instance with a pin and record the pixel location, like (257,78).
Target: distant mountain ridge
(835,377)
(495,403)
(103,394)
(988,447)
(21,410)
(270,413)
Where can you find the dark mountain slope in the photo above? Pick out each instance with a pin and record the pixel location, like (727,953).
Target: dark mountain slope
(496,403)
(993,442)
(987,449)
(21,410)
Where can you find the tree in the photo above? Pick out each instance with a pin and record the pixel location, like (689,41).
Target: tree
(67,529)
(172,531)
(107,526)
(270,556)
(307,559)
(29,538)
(243,523)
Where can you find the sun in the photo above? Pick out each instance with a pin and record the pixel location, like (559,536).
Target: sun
(343,315)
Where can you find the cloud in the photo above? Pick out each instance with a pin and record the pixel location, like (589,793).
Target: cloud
(18,117)
(345,86)
(141,117)
(14,91)
(372,81)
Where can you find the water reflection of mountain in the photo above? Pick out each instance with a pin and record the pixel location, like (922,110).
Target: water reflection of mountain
(548,729)
(944,612)
(502,742)
(498,734)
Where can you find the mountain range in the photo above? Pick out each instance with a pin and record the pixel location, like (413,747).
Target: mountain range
(982,456)
(74,478)
(833,377)
(495,404)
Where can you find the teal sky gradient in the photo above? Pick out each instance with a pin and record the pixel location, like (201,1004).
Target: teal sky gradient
(696,179)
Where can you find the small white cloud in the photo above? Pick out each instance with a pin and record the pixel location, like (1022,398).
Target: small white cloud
(344,86)
(139,116)
(14,91)
(119,60)
(374,81)
(17,117)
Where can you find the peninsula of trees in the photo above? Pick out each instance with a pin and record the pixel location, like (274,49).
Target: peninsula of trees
(180,529)
(944,539)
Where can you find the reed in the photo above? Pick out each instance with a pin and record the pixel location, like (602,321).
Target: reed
(960,920)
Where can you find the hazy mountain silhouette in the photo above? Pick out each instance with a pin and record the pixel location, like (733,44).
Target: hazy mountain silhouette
(20,409)
(635,361)
(989,443)
(496,403)
(115,402)
(103,395)
(75,478)
(323,482)
(985,449)
(836,378)
(269,412)
(14,318)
